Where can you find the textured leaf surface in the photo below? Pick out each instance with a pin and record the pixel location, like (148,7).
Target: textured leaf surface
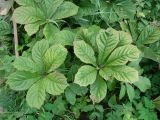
(25,15)
(149,35)
(36,95)
(21,80)
(98,90)
(122,55)
(84,52)
(86,75)
(66,9)
(106,44)
(39,50)
(121,73)
(55,83)
(54,57)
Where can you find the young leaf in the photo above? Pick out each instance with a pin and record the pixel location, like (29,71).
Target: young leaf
(123,54)
(21,80)
(36,94)
(70,96)
(121,73)
(98,90)
(143,83)
(86,75)
(54,57)
(84,52)
(130,92)
(106,43)
(55,83)
(66,9)
(122,91)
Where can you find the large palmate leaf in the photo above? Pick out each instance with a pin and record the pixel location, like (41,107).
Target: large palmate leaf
(21,80)
(32,12)
(98,90)
(149,35)
(55,83)
(36,94)
(86,75)
(122,55)
(54,57)
(84,52)
(121,73)
(106,43)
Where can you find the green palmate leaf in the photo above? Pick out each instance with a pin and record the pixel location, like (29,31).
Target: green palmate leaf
(143,83)
(26,64)
(130,92)
(49,31)
(21,80)
(39,50)
(64,37)
(50,3)
(124,38)
(84,52)
(55,83)
(122,91)
(98,90)
(32,28)
(106,44)
(54,57)
(36,94)
(86,75)
(66,9)
(123,54)
(26,15)
(121,73)
(149,35)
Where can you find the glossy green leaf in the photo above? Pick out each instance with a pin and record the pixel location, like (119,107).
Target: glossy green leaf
(122,91)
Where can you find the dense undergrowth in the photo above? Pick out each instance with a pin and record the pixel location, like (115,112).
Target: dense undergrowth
(80,59)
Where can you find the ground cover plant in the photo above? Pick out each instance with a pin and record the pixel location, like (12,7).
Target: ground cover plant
(79,60)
